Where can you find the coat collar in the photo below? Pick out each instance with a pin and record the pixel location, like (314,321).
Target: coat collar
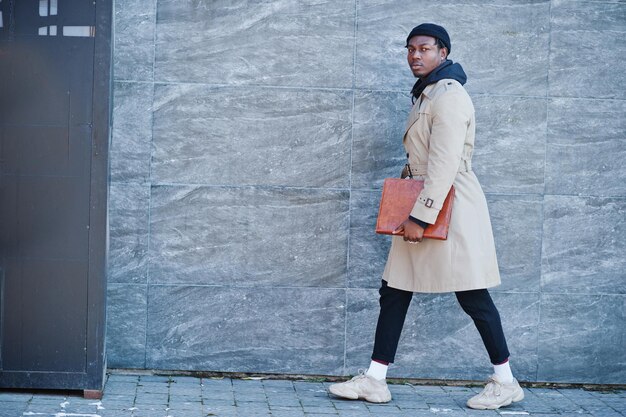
(421,103)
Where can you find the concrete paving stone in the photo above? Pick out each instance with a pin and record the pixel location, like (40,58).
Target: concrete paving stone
(275,408)
(319,410)
(10,396)
(154,399)
(253,406)
(152,388)
(49,399)
(182,399)
(219,403)
(410,404)
(428,389)
(119,398)
(605,413)
(125,389)
(353,413)
(291,413)
(277,383)
(320,414)
(12,409)
(80,409)
(185,380)
(401,389)
(294,402)
(350,405)
(219,409)
(186,410)
(154,378)
(43,408)
(114,413)
(185,413)
(148,407)
(489,413)
(251,398)
(119,378)
(221,400)
(216,382)
(185,388)
(184,404)
(118,406)
(383,409)
(316,401)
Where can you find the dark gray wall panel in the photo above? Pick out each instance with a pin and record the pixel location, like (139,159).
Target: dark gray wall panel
(126,325)
(586,329)
(517,227)
(248,236)
(368,251)
(572,244)
(586,152)
(131,144)
(287,42)
(590,28)
(233,136)
(128,232)
(379,122)
(510,144)
(135,21)
(291,330)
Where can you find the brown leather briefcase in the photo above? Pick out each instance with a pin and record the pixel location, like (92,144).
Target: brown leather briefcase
(397,201)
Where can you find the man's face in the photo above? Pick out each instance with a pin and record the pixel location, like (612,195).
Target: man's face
(423,55)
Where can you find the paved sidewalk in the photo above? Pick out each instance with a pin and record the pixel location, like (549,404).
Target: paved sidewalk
(159,396)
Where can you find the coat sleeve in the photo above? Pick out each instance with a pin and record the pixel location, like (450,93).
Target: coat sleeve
(451,116)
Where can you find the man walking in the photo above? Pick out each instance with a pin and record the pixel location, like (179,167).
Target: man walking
(439,141)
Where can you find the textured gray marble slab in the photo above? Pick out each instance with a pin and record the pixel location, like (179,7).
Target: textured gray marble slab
(586,147)
(233,136)
(126,325)
(517,227)
(128,233)
(584,245)
(284,330)
(377,151)
(510,144)
(133,56)
(286,42)
(581,338)
(507,55)
(440,341)
(131,136)
(582,33)
(249,236)
(368,251)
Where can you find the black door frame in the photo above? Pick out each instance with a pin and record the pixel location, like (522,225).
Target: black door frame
(92,380)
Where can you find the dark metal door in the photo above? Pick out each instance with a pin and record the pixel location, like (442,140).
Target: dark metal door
(54,117)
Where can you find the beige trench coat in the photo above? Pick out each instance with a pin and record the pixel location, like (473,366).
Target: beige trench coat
(439,139)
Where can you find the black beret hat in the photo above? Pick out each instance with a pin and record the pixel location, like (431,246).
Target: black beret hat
(430,29)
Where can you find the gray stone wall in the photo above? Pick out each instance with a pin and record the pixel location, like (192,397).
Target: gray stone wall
(250,141)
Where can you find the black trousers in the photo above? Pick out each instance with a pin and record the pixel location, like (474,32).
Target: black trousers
(478,304)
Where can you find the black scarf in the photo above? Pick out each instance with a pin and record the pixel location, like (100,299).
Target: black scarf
(447,69)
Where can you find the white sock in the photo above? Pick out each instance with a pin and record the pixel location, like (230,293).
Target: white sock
(503,372)
(377,371)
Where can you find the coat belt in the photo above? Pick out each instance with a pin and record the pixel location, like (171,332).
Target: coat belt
(422,169)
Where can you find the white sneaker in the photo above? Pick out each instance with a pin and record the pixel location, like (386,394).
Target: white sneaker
(362,387)
(496,394)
